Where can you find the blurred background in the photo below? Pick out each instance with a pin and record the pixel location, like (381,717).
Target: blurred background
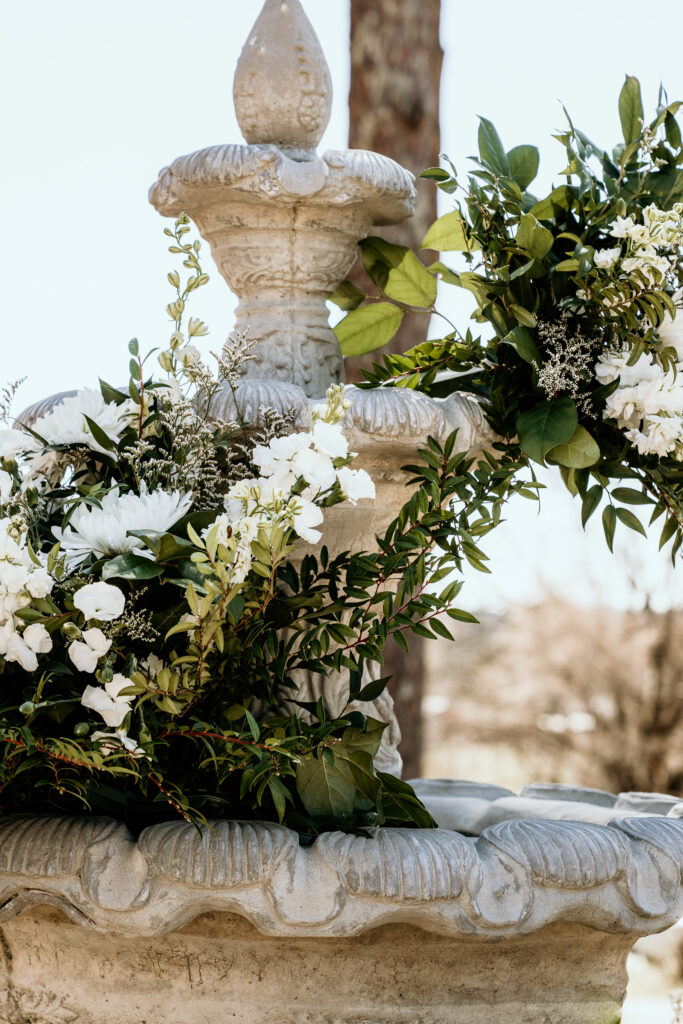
(575,673)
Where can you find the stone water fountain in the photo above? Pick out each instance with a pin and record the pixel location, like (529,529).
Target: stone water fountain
(517,909)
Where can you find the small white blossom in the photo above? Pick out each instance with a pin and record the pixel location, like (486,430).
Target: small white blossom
(356,484)
(86,653)
(107,701)
(606,258)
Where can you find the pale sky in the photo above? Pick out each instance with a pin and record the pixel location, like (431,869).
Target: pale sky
(98,97)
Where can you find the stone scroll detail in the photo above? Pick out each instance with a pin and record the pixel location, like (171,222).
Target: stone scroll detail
(515,878)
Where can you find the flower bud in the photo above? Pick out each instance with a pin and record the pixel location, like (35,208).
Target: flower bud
(27,708)
(81,729)
(71,631)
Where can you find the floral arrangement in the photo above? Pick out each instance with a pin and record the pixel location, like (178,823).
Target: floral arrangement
(158,607)
(578,291)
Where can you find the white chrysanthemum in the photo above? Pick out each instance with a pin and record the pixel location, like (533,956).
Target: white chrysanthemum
(103,532)
(66,423)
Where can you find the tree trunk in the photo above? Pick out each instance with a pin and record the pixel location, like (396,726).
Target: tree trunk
(394,109)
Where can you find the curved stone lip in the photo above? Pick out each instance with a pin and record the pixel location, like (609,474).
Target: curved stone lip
(337,178)
(516,878)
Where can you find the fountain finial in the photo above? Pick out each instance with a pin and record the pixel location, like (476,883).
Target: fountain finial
(282,87)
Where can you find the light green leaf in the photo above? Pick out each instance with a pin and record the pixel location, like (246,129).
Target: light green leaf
(411,282)
(347,296)
(491,150)
(368,328)
(631,109)
(559,198)
(533,237)
(523,161)
(447,275)
(545,426)
(449,234)
(579,452)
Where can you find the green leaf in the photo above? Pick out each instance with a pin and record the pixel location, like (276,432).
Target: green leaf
(373,689)
(533,237)
(524,344)
(545,426)
(629,496)
(368,328)
(523,161)
(558,199)
(491,150)
(591,500)
(447,275)
(131,567)
(522,315)
(411,282)
(609,524)
(133,347)
(449,233)
(629,519)
(102,439)
(579,452)
(347,296)
(326,791)
(631,109)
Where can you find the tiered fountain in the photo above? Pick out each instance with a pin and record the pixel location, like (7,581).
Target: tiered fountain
(518,909)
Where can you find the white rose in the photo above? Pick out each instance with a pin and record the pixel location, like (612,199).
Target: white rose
(100,601)
(13,577)
(40,583)
(37,638)
(356,484)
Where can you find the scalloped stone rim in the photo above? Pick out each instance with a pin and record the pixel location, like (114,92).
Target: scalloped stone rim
(516,878)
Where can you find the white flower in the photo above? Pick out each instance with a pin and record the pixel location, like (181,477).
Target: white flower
(14,442)
(671,333)
(103,532)
(66,423)
(107,701)
(37,638)
(100,600)
(622,226)
(39,583)
(316,469)
(13,577)
(13,648)
(152,665)
(356,484)
(5,487)
(606,258)
(86,653)
(304,515)
(329,439)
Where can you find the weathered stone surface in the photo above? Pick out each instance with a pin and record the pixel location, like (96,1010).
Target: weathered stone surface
(219,968)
